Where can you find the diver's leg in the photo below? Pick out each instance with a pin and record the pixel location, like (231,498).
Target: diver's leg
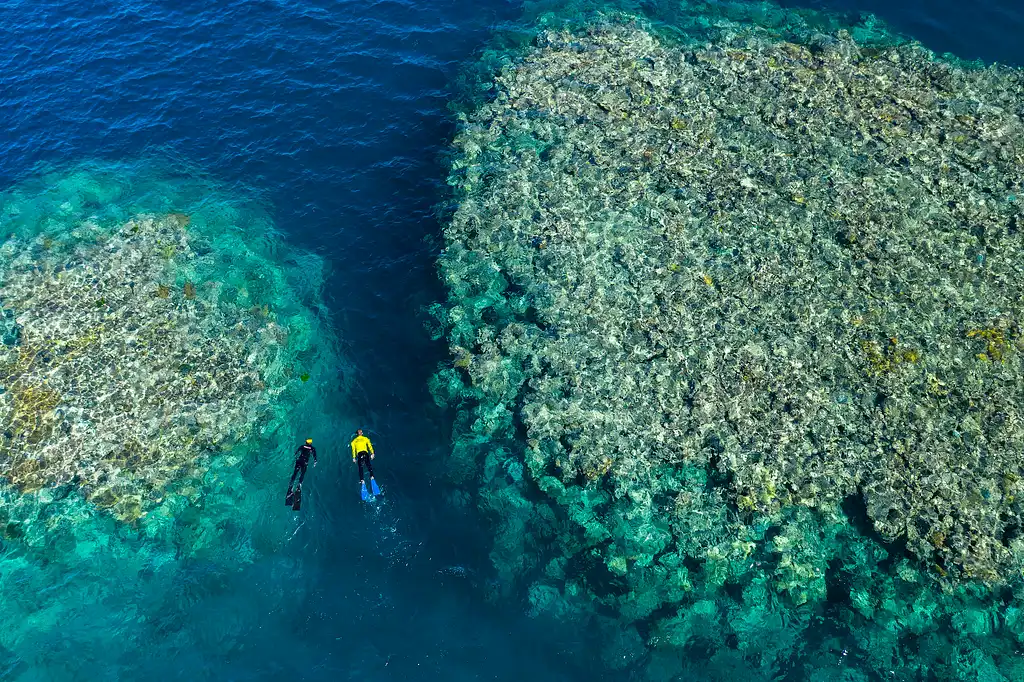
(359,462)
(295,472)
(301,467)
(369,465)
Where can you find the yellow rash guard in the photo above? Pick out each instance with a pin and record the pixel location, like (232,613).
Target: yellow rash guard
(361,444)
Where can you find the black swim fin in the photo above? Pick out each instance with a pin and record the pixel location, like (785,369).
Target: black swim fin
(288,498)
(297,499)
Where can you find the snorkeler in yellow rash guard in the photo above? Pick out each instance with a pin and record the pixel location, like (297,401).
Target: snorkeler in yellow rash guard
(362,453)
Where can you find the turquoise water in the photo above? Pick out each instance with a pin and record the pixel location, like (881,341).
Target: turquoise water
(217,578)
(110,577)
(306,141)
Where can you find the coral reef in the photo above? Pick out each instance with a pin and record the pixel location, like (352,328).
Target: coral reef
(121,379)
(161,350)
(745,316)
(803,264)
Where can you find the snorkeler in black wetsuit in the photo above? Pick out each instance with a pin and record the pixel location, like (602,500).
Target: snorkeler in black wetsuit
(302,455)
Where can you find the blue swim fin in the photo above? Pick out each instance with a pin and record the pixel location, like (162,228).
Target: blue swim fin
(362,491)
(373,487)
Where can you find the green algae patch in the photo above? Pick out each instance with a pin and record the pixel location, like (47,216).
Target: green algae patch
(735,286)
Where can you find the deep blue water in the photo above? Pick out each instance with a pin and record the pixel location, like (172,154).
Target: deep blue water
(333,113)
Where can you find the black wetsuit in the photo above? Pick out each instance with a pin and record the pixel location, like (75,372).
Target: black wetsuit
(301,462)
(361,459)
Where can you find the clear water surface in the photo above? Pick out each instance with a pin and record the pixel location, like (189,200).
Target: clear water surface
(333,114)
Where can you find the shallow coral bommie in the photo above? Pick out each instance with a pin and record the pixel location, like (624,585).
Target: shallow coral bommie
(755,227)
(91,375)
(768,263)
